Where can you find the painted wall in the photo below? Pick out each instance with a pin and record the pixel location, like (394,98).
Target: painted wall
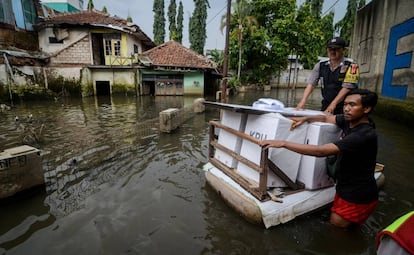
(194,83)
(68,38)
(120,80)
(383,45)
(64,5)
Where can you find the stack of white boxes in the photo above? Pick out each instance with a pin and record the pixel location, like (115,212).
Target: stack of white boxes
(271,126)
(235,121)
(312,171)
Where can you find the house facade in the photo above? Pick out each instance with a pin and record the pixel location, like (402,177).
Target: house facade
(109,55)
(104,53)
(176,70)
(99,50)
(19,48)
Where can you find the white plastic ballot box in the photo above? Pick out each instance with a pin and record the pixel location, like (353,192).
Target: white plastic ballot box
(312,170)
(235,121)
(271,126)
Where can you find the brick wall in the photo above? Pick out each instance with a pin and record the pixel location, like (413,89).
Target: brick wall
(78,53)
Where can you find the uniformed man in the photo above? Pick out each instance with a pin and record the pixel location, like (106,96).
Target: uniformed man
(339,75)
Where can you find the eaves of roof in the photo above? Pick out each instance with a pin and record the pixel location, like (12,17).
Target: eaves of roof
(173,54)
(94,19)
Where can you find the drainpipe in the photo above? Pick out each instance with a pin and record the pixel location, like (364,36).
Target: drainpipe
(45,77)
(6,62)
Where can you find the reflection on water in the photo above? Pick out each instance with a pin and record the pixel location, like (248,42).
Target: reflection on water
(115,185)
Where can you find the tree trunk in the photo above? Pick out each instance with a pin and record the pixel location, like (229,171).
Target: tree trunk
(240,51)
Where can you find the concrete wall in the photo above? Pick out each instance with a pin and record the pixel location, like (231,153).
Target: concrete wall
(74,49)
(383,45)
(194,83)
(120,80)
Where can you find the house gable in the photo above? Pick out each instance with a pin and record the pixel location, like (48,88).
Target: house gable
(111,40)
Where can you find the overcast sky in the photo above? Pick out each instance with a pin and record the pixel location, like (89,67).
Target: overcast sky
(142,15)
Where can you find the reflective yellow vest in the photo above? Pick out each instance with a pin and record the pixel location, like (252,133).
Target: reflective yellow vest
(402,231)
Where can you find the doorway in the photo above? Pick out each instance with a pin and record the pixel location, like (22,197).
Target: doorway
(103,88)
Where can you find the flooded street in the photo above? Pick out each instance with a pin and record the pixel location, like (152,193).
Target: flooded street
(116,185)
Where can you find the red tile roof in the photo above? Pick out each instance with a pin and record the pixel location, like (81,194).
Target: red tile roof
(97,19)
(86,17)
(173,54)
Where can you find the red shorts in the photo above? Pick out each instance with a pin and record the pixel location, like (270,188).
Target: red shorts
(356,213)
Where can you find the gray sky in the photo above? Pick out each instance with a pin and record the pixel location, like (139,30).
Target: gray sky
(142,15)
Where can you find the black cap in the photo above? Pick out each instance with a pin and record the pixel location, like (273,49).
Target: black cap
(336,42)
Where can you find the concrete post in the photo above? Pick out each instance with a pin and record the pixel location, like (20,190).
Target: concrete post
(170,120)
(20,169)
(199,106)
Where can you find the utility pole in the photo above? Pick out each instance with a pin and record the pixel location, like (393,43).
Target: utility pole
(226,55)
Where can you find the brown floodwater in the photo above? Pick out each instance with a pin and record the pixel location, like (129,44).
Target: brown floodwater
(116,185)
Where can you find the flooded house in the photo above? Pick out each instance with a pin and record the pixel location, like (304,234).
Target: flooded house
(109,55)
(53,40)
(99,50)
(20,56)
(176,70)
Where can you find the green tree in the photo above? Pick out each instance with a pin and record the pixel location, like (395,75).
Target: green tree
(268,48)
(180,19)
(316,7)
(281,30)
(172,12)
(244,19)
(129,18)
(345,26)
(217,56)
(159,22)
(310,39)
(197,26)
(104,10)
(328,31)
(90,5)
(325,24)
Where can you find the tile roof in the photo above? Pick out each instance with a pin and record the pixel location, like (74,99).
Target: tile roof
(173,54)
(86,17)
(94,18)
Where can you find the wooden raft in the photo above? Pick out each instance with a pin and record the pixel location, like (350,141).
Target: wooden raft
(259,190)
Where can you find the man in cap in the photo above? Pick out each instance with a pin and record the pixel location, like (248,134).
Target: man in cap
(339,75)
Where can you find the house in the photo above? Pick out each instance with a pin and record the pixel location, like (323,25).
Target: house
(109,55)
(98,49)
(176,70)
(19,48)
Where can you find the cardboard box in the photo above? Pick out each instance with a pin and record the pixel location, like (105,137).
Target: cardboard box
(275,127)
(235,121)
(312,171)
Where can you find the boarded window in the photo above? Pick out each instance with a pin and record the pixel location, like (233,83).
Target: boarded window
(54,40)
